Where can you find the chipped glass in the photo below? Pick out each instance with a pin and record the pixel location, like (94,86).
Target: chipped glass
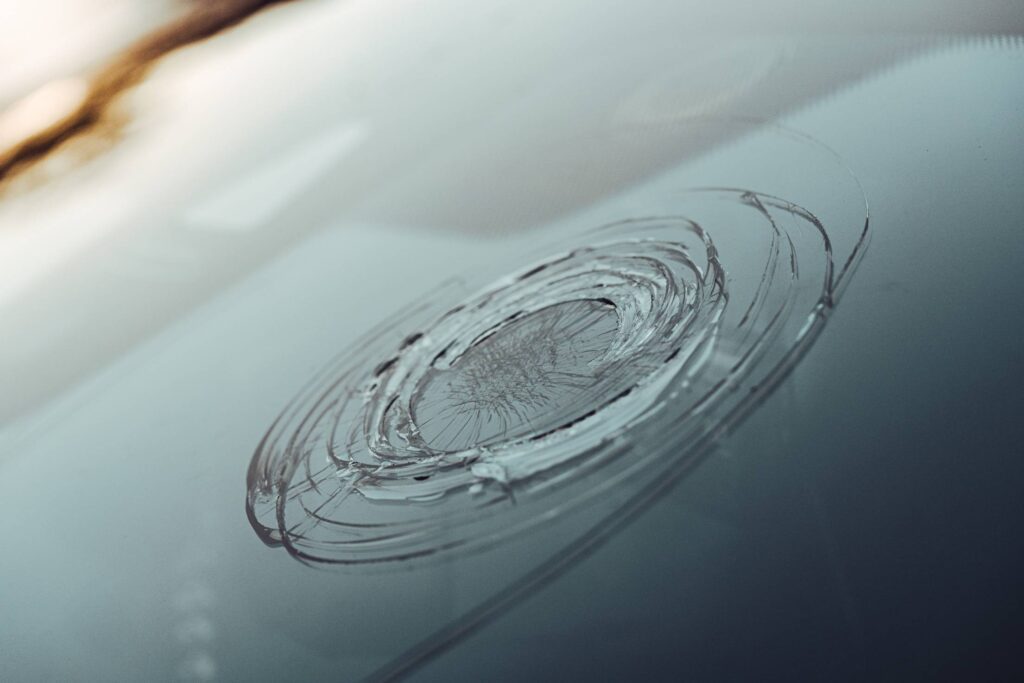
(605,361)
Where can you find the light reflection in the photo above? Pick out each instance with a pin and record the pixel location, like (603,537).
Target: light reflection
(40,111)
(44,40)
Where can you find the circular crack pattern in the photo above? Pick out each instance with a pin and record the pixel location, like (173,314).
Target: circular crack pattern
(603,366)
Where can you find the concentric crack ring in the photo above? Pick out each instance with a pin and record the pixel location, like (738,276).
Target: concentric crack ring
(600,366)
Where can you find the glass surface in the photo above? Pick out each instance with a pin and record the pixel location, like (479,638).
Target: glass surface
(546,342)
